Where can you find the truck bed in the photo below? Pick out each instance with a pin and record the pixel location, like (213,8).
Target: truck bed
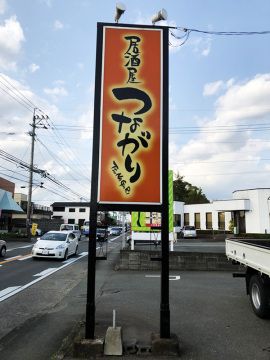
(254,253)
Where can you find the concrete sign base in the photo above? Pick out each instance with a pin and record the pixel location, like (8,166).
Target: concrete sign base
(113,341)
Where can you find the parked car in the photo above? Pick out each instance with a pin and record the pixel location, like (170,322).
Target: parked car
(3,248)
(72,227)
(115,231)
(56,245)
(39,232)
(102,235)
(188,231)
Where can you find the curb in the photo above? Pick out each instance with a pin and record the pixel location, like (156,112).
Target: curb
(67,345)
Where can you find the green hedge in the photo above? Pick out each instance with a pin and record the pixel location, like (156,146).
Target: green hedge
(12,235)
(213,232)
(254,236)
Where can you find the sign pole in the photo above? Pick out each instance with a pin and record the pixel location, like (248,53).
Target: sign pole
(164,306)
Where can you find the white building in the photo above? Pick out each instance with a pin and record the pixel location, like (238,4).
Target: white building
(71,212)
(249,209)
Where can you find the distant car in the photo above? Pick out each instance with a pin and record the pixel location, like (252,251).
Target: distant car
(39,232)
(188,231)
(115,231)
(72,227)
(3,248)
(102,235)
(56,245)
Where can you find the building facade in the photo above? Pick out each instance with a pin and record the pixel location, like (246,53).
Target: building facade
(71,212)
(249,210)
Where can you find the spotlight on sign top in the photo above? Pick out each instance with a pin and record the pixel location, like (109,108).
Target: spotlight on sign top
(161,15)
(120,9)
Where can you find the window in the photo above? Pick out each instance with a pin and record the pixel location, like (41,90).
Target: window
(209,221)
(71,221)
(186,219)
(81,209)
(197,220)
(221,221)
(58,208)
(176,220)
(71,209)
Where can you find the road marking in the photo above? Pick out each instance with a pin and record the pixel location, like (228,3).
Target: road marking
(11,258)
(5,294)
(45,272)
(8,290)
(26,257)
(20,247)
(171,277)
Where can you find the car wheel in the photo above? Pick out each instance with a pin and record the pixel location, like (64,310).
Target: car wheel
(66,255)
(259,297)
(77,250)
(34,258)
(3,251)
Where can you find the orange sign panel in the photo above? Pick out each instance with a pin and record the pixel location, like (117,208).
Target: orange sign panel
(130,155)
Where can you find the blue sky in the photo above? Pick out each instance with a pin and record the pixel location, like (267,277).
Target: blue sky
(219,91)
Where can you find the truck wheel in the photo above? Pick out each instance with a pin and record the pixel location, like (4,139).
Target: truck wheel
(259,297)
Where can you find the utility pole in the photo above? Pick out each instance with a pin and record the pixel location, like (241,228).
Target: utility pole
(30,185)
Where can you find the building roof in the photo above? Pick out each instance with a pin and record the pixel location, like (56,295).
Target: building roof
(74,204)
(7,203)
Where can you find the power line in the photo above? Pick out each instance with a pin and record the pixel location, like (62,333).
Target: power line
(187,32)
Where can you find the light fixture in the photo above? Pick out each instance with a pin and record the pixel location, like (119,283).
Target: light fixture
(161,15)
(120,9)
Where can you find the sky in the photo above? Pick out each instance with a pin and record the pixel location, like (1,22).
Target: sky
(219,92)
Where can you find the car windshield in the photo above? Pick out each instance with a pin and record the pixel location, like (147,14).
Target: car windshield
(66,227)
(101,231)
(189,228)
(54,237)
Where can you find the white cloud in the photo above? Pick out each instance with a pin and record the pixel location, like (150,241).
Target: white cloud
(3,6)
(33,67)
(220,159)
(47,2)
(11,38)
(56,92)
(201,46)
(58,25)
(212,88)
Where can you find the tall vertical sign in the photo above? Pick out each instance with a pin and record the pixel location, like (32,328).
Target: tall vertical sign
(130,140)
(130,153)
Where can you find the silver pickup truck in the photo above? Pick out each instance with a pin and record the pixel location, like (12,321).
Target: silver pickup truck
(254,254)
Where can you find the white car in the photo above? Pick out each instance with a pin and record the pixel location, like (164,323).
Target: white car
(72,227)
(188,231)
(56,245)
(3,248)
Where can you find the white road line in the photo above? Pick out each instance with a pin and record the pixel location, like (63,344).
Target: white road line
(46,272)
(4,294)
(20,247)
(25,258)
(171,277)
(8,290)
(14,257)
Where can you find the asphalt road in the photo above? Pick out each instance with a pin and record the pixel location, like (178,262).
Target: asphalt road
(193,245)
(210,312)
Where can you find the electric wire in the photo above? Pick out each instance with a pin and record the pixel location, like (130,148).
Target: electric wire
(187,32)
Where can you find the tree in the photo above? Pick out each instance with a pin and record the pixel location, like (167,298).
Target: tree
(189,194)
